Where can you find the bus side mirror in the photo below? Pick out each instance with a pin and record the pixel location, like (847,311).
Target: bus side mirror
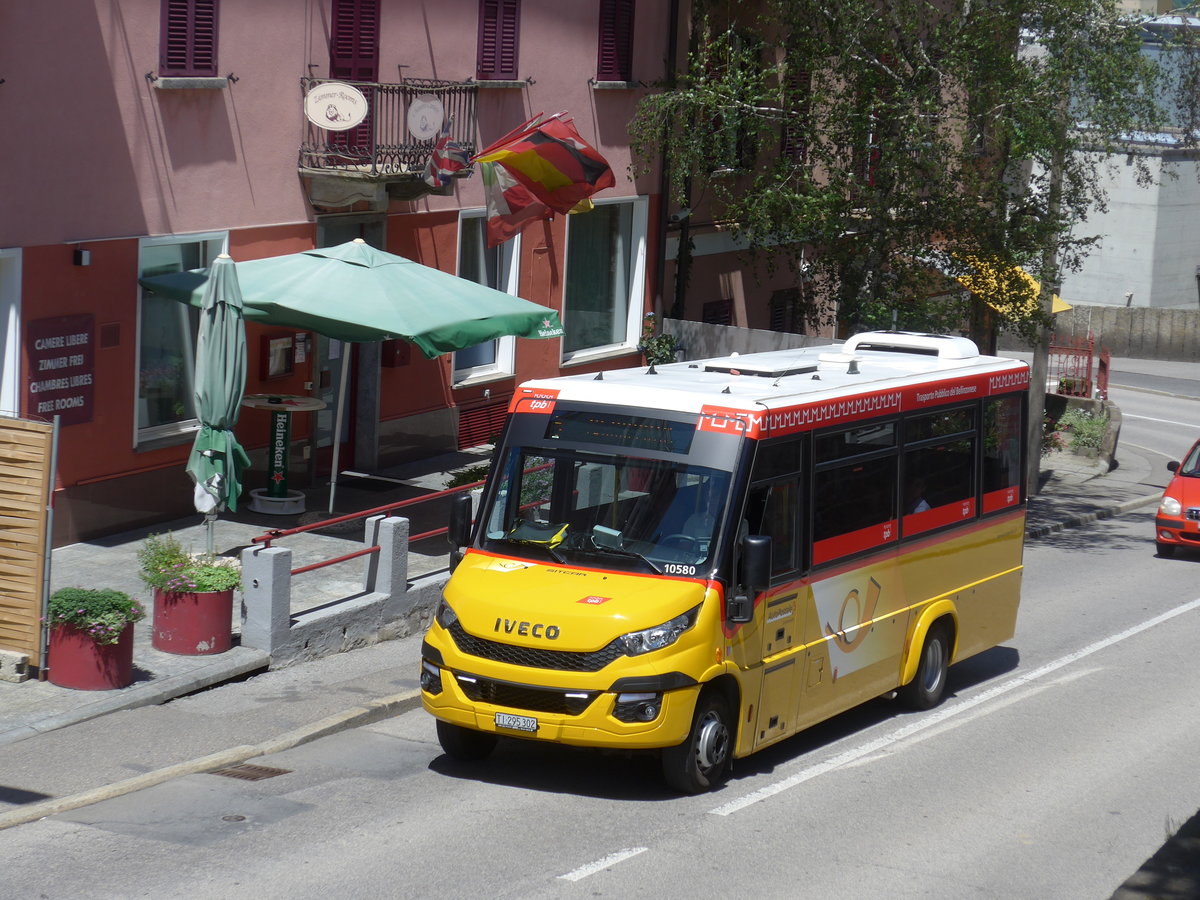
(459,532)
(756,577)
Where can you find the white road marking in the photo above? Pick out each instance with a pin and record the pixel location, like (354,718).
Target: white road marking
(1160,421)
(943,714)
(611,860)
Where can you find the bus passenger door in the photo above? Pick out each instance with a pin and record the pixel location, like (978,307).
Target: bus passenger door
(780,692)
(772,509)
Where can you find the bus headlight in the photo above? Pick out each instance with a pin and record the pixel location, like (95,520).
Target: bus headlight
(664,635)
(1170,507)
(445,615)
(637,707)
(431,678)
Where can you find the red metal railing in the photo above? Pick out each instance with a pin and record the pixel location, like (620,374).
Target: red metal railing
(1075,369)
(266,539)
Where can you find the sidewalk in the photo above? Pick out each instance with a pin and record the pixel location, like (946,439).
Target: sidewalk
(32,707)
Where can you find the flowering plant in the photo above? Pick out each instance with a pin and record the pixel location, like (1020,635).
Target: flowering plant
(167,566)
(102,613)
(658,348)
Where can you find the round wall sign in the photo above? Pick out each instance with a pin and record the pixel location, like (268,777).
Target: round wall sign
(335,106)
(425,115)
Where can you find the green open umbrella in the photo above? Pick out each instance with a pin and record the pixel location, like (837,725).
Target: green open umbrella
(217,459)
(354,292)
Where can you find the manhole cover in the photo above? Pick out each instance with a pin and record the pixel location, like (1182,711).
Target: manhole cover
(249,772)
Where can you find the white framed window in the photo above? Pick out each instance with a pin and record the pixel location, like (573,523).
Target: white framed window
(497,268)
(605,278)
(166,342)
(10,332)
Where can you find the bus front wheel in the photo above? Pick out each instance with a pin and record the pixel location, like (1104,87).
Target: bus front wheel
(701,761)
(926,689)
(464,743)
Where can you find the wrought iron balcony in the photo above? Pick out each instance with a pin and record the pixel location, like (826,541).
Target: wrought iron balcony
(382,147)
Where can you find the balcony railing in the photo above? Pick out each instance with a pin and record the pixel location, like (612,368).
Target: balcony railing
(382,145)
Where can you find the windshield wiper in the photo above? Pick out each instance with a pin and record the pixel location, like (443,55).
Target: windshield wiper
(621,551)
(541,545)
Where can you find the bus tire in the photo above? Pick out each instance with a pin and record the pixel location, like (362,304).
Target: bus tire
(464,744)
(701,761)
(929,684)
(1166,551)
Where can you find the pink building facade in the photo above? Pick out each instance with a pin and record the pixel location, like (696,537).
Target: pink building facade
(179,132)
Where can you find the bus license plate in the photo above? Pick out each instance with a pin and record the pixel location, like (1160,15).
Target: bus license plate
(516,723)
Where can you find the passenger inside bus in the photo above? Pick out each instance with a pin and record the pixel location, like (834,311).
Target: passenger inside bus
(914,501)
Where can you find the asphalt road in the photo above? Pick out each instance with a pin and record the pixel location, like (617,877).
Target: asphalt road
(1057,765)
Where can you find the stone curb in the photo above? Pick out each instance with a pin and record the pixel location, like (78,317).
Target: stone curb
(350,718)
(1076,521)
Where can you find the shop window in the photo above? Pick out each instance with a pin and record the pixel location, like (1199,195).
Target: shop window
(497,268)
(605,278)
(167,338)
(188,38)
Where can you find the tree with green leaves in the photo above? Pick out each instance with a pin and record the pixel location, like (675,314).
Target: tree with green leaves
(881,149)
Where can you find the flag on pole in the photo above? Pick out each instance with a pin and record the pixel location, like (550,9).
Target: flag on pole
(548,157)
(510,207)
(448,157)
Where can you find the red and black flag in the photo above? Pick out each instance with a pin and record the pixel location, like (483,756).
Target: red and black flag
(549,158)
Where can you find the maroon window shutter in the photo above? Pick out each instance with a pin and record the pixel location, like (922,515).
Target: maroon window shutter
(615,57)
(354,56)
(354,41)
(799,83)
(499,29)
(188,38)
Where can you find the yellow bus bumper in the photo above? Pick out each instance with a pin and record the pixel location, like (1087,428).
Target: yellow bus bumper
(594,727)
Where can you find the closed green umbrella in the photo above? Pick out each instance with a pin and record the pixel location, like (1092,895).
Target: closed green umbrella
(217,459)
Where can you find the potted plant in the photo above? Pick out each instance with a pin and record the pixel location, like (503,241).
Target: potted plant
(193,596)
(91,638)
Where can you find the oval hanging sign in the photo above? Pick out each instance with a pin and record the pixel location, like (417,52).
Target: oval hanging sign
(425,115)
(335,106)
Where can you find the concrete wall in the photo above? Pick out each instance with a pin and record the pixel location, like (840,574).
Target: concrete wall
(1136,333)
(701,341)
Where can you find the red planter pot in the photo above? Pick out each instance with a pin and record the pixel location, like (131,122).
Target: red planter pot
(76,661)
(192,624)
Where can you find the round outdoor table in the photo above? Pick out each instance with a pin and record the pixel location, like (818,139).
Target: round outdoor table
(276,499)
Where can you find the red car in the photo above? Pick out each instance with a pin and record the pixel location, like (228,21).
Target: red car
(1178,521)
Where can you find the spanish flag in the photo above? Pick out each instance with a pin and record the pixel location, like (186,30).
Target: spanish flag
(548,157)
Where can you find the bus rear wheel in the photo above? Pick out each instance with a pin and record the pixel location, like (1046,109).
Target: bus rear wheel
(929,684)
(464,744)
(701,761)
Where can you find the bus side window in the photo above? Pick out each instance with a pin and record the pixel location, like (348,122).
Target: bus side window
(773,506)
(1002,443)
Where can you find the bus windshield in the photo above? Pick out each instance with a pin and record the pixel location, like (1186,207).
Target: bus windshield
(602,509)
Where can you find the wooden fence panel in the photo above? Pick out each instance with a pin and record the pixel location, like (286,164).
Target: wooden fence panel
(26,460)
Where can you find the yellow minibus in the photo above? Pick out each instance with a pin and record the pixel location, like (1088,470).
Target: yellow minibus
(703,558)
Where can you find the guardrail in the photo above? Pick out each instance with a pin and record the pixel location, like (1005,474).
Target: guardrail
(389,605)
